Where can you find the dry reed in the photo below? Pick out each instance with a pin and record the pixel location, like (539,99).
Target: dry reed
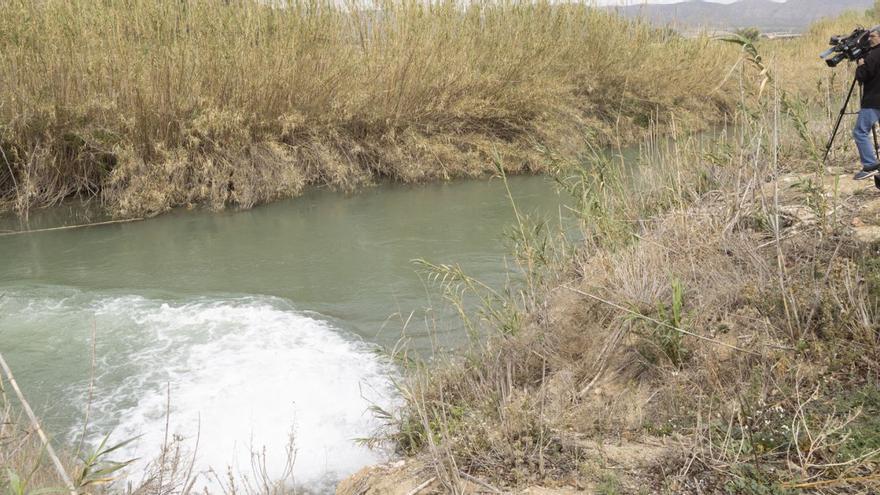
(159,104)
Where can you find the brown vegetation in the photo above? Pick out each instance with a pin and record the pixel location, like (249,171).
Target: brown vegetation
(150,105)
(715,331)
(722,307)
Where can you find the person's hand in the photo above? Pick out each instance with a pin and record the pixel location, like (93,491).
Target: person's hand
(860,61)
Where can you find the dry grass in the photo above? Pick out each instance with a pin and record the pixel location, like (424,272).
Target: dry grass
(698,308)
(712,308)
(22,457)
(151,105)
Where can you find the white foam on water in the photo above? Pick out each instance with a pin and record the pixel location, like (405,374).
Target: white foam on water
(243,374)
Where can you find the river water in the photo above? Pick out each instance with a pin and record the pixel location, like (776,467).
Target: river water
(242,328)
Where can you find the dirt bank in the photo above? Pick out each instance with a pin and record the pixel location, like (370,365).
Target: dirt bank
(715,333)
(242,103)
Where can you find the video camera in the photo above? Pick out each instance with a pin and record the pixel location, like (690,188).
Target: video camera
(849,47)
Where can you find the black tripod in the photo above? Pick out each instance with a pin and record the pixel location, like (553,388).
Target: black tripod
(843,112)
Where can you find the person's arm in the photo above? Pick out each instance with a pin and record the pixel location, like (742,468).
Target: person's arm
(867,67)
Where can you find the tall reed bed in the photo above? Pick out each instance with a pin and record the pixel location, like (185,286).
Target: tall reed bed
(155,104)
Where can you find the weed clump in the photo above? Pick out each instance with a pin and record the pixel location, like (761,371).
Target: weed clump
(714,331)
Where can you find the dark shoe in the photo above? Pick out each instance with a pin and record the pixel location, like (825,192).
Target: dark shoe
(877,181)
(867,171)
(862,175)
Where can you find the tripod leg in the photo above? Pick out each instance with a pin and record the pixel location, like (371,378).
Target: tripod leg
(876,149)
(839,119)
(874,134)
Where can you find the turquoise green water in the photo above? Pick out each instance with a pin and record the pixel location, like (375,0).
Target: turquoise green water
(257,322)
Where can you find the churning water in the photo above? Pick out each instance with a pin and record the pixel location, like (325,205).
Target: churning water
(245,329)
(236,374)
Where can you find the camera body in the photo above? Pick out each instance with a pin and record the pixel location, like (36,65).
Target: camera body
(847,47)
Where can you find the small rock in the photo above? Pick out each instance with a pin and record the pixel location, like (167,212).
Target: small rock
(857,222)
(868,233)
(802,213)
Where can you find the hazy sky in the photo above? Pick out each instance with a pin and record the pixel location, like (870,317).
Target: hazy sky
(639,2)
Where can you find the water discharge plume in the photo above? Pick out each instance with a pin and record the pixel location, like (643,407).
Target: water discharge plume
(166,298)
(243,372)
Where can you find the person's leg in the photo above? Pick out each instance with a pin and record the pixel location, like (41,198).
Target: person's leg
(865,141)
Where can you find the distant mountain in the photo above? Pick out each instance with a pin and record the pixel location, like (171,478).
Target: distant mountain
(768,16)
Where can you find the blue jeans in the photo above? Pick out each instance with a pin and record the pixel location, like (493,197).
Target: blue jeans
(862,135)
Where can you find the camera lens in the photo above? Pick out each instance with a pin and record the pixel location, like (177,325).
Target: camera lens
(833,61)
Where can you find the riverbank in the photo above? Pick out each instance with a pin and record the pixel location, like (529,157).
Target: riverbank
(715,333)
(247,102)
(715,353)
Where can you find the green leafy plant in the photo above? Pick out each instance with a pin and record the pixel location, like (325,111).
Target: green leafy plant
(496,307)
(797,110)
(96,468)
(751,56)
(750,33)
(814,196)
(665,332)
(748,480)
(610,485)
(669,338)
(16,485)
